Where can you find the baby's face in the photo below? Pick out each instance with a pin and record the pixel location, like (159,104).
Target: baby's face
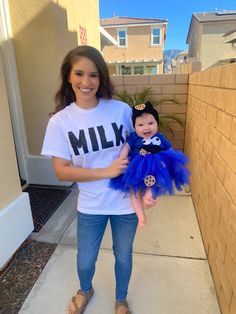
(146,125)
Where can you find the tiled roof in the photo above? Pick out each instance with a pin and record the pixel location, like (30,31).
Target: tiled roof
(121,20)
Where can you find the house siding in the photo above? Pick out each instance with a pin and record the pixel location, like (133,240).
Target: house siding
(15,215)
(195,41)
(41,34)
(8,164)
(213,47)
(59,27)
(139,47)
(137,37)
(207,41)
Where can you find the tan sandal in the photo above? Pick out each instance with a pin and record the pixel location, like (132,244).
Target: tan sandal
(122,308)
(87,296)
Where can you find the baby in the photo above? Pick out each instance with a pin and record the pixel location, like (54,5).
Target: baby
(154,167)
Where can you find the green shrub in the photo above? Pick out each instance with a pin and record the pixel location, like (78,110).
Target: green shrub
(147,95)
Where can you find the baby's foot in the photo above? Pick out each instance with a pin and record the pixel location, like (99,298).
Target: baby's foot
(142,220)
(148,202)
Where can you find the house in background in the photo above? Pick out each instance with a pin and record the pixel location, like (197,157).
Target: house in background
(180,58)
(140,45)
(212,38)
(181,65)
(106,38)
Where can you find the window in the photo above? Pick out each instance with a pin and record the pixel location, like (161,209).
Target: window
(150,69)
(122,38)
(138,70)
(125,70)
(155,36)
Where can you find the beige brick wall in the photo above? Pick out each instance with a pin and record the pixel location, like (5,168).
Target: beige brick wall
(210,142)
(163,85)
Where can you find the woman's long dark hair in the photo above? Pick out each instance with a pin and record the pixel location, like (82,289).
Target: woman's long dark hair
(65,95)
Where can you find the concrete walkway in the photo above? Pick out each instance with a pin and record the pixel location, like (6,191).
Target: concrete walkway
(171,274)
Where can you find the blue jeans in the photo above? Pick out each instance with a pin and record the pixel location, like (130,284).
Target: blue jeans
(90,230)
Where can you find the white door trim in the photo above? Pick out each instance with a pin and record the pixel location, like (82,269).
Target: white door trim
(12,86)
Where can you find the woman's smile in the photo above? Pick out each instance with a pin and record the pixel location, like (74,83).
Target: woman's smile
(84,79)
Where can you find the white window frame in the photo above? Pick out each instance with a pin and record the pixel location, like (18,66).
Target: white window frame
(139,66)
(152,37)
(132,65)
(118,37)
(154,66)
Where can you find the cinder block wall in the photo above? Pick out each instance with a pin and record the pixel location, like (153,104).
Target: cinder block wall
(210,142)
(163,85)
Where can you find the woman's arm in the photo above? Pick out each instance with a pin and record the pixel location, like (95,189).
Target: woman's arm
(65,171)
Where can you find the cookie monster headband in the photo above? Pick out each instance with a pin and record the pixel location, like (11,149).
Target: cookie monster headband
(138,110)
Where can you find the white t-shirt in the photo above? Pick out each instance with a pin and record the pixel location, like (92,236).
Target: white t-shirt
(92,139)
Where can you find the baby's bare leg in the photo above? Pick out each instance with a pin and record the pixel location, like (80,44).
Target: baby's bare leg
(148,200)
(137,203)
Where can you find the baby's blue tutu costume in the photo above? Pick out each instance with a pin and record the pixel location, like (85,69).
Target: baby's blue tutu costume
(153,164)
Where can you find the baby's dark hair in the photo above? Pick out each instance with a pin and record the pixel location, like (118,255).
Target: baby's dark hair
(138,110)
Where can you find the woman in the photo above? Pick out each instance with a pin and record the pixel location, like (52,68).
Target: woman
(84,137)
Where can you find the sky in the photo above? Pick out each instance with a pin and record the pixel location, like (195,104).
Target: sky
(178,13)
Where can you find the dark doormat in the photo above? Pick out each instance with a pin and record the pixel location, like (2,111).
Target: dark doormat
(44,201)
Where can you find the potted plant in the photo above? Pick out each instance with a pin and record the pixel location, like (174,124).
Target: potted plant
(145,95)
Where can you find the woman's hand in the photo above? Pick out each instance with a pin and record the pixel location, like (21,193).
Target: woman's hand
(65,171)
(117,167)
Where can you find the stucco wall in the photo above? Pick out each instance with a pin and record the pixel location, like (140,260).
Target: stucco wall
(195,40)
(185,68)
(10,187)
(43,32)
(210,142)
(137,37)
(213,46)
(85,14)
